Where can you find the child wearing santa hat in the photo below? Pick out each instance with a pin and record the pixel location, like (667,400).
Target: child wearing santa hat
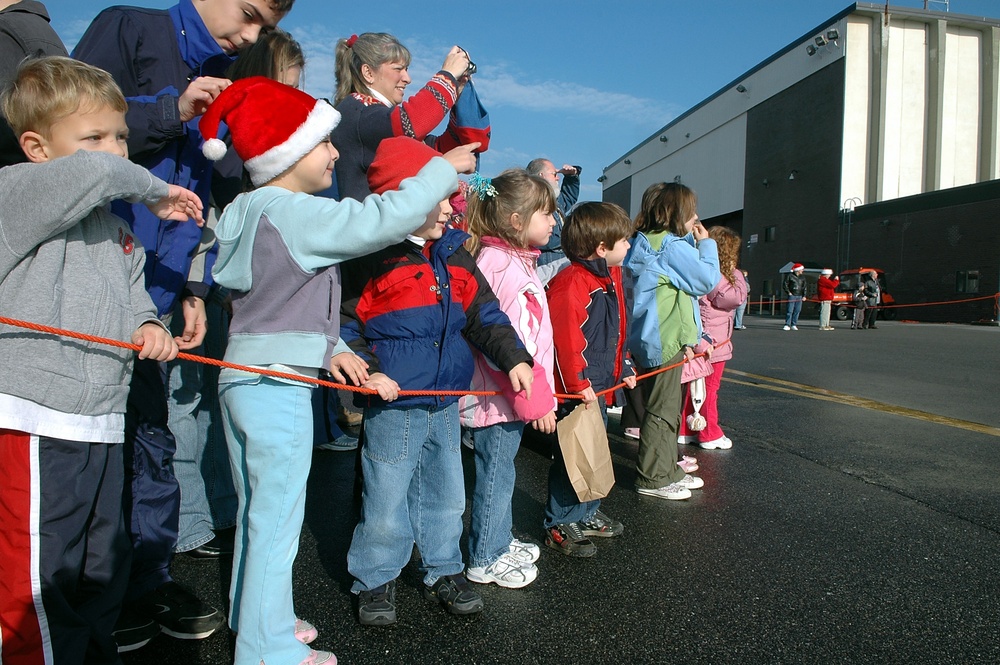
(412,310)
(278,252)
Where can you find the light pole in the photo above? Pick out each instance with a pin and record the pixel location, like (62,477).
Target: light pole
(845,215)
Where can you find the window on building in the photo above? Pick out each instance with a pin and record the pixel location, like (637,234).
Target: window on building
(769,233)
(967,281)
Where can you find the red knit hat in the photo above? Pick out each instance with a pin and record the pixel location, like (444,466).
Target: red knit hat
(273,125)
(395,160)
(798,266)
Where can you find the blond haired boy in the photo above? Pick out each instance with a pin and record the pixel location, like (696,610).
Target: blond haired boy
(67,262)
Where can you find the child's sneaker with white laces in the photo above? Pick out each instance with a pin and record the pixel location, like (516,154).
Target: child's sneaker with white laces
(601,526)
(507,571)
(691,482)
(320,658)
(526,552)
(722,443)
(674,492)
(305,632)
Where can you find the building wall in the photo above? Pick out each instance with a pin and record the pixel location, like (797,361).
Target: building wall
(795,133)
(924,241)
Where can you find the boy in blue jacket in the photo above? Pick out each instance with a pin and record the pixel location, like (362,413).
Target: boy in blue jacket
(171,65)
(279,250)
(412,310)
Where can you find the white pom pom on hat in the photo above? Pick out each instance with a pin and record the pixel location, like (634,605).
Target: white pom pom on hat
(214,149)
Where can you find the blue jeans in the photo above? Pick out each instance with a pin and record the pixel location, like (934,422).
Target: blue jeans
(563,506)
(269,431)
(201,463)
(413,491)
(794,308)
(492,514)
(738,318)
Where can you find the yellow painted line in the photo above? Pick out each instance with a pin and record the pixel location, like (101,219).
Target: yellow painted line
(822,394)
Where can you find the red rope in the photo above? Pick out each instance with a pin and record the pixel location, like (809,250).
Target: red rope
(296,377)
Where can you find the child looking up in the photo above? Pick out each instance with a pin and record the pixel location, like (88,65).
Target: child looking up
(673,262)
(589,322)
(413,310)
(67,262)
(278,251)
(509,218)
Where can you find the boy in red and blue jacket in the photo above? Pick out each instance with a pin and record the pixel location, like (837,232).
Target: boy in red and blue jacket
(589,319)
(411,311)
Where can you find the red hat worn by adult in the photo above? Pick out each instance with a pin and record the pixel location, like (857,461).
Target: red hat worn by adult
(397,159)
(798,266)
(273,125)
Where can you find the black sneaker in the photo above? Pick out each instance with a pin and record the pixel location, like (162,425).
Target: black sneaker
(569,539)
(601,526)
(454,594)
(133,631)
(179,612)
(378,606)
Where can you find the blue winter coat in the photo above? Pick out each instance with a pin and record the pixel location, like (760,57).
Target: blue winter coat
(153,54)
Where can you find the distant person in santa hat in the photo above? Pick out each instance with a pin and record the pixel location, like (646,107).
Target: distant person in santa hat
(278,252)
(825,288)
(793,287)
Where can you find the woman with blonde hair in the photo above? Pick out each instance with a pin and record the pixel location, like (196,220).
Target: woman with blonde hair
(372,76)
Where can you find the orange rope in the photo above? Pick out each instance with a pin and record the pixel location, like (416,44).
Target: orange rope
(995,296)
(296,377)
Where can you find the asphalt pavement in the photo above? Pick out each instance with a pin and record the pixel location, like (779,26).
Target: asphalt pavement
(855,520)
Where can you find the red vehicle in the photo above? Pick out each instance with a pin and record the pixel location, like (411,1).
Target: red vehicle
(842,298)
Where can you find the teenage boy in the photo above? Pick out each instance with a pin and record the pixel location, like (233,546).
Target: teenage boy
(171,65)
(589,315)
(65,261)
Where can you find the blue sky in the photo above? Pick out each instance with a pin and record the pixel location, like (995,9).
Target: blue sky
(579,82)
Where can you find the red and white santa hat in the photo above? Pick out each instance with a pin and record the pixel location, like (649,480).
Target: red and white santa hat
(798,266)
(273,125)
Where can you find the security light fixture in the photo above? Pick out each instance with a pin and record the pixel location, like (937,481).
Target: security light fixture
(602,178)
(810,49)
(741,88)
(628,161)
(832,34)
(820,40)
(664,139)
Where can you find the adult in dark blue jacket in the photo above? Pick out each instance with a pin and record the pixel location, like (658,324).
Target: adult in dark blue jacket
(24,32)
(170,64)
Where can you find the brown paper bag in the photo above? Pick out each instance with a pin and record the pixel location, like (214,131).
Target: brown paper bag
(584,445)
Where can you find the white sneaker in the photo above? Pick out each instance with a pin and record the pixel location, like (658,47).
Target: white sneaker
(507,571)
(786,328)
(795,327)
(467,439)
(525,552)
(691,482)
(687,440)
(722,443)
(673,492)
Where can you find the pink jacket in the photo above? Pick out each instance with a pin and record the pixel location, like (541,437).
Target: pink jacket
(511,273)
(717,313)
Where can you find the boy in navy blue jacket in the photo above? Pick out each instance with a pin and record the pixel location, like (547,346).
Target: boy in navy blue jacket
(171,65)
(409,311)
